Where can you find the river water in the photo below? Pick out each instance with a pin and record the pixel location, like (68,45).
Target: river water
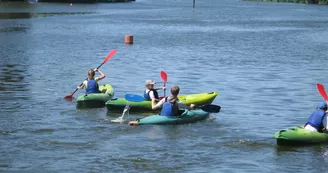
(264,59)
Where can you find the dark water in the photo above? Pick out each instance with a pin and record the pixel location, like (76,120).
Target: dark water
(264,59)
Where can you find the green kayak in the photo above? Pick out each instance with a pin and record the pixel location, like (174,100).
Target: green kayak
(118,104)
(299,136)
(186,116)
(96,100)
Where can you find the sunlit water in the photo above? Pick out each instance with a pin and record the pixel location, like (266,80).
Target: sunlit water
(264,59)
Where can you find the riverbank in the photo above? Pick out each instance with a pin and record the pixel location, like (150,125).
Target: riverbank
(68,1)
(84,1)
(321,2)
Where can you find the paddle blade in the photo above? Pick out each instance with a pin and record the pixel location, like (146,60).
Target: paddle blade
(69,96)
(322,91)
(109,56)
(164,76)
(211,108)
(134,98)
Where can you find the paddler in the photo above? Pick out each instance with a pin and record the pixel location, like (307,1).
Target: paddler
(318,121)
(150,92)
(91,83)
(171,105)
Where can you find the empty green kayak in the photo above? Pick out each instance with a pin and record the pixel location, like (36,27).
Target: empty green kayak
(118,104)
(96,100)
(186,116)
(299,136)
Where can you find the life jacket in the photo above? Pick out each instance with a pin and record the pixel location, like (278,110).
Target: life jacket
(170,109)
(92,87)
(315,120)
(147,97)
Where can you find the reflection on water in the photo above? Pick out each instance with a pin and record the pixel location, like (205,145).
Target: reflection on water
(25,15)
(325,154)
(12,78)
(319,149)
(249,144)
(13,86)
(13,29)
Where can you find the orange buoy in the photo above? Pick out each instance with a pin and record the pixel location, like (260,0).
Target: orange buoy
(129,39)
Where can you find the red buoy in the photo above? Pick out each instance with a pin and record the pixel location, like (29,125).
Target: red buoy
(129,39)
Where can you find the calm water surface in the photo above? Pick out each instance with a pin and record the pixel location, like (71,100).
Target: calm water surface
(264,59)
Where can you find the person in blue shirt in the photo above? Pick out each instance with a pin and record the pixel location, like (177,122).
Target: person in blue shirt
(150,92)
(317,121)
(91,84)
(171,105)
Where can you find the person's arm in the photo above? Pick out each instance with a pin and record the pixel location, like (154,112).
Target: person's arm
(325,123)
(183,106)
(155,106)
(102,75)
(151,95)
(82,86)
(160,88)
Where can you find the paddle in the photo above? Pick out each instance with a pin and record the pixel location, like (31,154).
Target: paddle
(134,98)
(322,91)
(164,78)
(107,58)
(210,108)
(128,98)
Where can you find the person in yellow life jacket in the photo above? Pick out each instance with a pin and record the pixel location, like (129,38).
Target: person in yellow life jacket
(171,105)
(91,84)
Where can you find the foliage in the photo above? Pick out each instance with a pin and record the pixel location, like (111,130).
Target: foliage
(323,2)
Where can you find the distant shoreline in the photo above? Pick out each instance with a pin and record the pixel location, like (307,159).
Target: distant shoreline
(69,1)
(320,2)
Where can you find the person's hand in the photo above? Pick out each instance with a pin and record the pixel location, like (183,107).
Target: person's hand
(164,88)
(192,106)
(78,87)
(96,70)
